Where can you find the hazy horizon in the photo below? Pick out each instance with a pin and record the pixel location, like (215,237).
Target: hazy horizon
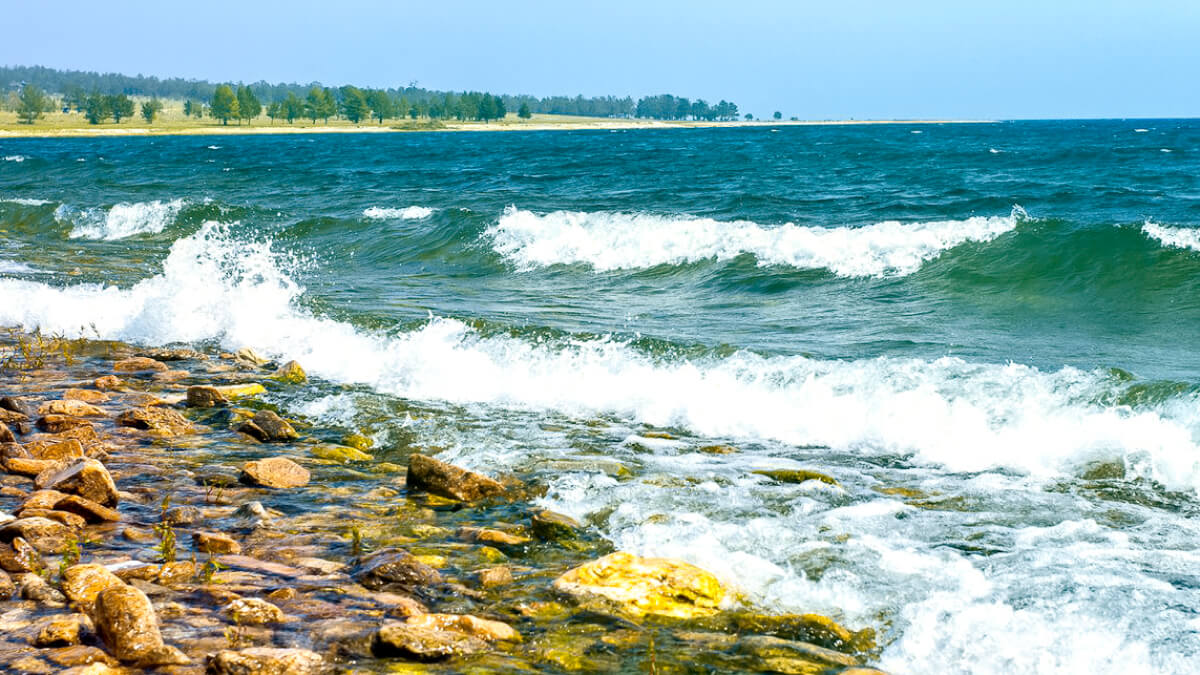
(1024,60)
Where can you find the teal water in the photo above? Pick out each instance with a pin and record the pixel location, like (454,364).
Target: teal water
(987,333)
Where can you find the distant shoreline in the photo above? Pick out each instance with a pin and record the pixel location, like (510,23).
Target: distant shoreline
(575,124)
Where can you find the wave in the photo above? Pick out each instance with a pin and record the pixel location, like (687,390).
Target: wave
(14,267)
(14,158)
(1173,237)
(949,412)
(614,241)
(23,201)
(406,213)
(121,220)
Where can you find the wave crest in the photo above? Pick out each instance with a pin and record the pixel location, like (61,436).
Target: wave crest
(615,241)
(406,213)
(1173,237)
(121,220)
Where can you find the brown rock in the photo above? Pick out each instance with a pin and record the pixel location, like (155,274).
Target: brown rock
(157,420)
(88,509)
(15,404)
(492,577)
(61,631)
(423,644)
(83,583)
(555,527)
(392,569)
(204,397)
(125,620)
(439,478)
(20,557)
(86,395)
(6,434)
(269,427)
(108,382)
(56,423)
(44,499)
(275,472)
(484,629)
(28,466)
(139,364)
(7,587)
(70,407)
(483,535)
(34,587)
(85,660)
(267,661)
(254,611)
(87,478)
(71,520)
(215,542)
(45,535)
(178,572)
(399,604)
(84,434)
(291,372)
(55,450)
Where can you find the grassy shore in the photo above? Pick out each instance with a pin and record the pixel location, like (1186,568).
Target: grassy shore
(173,122)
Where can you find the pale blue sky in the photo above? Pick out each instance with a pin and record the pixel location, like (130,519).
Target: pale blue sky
(816,60)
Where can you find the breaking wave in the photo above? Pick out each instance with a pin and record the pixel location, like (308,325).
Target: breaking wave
(121,220)
(406,213)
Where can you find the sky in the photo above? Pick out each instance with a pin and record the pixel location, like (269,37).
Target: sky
(838,59)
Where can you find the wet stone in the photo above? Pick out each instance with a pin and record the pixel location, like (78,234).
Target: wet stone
(446,480)
(268,427)
(290,372)
(55,423)
(87,478)
(86,395)
(183,515)
(45,535)
(423,644)
(126,622)
(34,587)
(554,527)
(83,583)
(205,397)
(108,383)
(215,542)
(70,407)
(267,661)
(155,419)
(19,557)
(21,406)
(393,569)
(61,631)
(275,472)
(139,364)
(254,611)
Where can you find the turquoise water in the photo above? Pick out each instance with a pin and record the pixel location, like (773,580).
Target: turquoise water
(987,333)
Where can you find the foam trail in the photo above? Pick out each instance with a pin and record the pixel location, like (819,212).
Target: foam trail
(121,220)
(613,241)
(14,158)
(1174,237)
(948,412)
(23,201)
(14,267)
(406,213)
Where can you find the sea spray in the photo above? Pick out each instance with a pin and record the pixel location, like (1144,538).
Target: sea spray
(120,220)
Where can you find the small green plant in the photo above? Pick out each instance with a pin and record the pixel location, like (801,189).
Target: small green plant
(210,568)
(70,556)
(166,546)
(235,635)
(31,351)
(356,540)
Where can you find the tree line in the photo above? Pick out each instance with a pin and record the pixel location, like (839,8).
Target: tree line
(76,87)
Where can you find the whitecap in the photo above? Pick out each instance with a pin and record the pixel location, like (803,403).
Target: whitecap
(406,213)
(24,201)
(1174,237)
(609,241)
(14,158)
(121,220)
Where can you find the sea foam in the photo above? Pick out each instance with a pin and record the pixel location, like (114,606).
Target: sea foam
(949,412)
(406,213)
(14,158)
(612,241)
(1174,237)
(121,220)
(25,201)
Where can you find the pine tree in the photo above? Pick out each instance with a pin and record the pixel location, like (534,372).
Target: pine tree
(248,106)
(354,104)
(524,113)
(96,108)
(292,108)
(120,106)
(224,104)
(381,104)
(33,104)
(151,109)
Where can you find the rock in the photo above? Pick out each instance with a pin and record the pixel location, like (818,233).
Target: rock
(45,535)
(86,660)
(423,644)
(126,622)
(813,628)
(720,449)
(183,515)
(290,372)
(71,520)
(139,364)
(269,427)
(393,569)
(790,657)
(267,661)
(233,391)
(555,527)
(250,356)
(157,420)
(7,587)
(484,629)
(482,535)
(108,382)
(18,405)
(86,395)
(253,515)
(70,407)
(68,449)
(215,542)
(170,376)
(89,510)
(492,577)
(205,397)
(44,499)
(275,472)
(20,557)
(640,586)
(446,480)
(82,583)
(341,453)
(399,604)
(254,611)
(171,354)
(61,631)
(358,441)
(55,423)
(6,434)
(87,478)
(797,476)
(27,466)
(34,587)
(178,572)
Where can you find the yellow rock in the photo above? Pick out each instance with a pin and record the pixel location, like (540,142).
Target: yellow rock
(241,390)
(474,626)
(290,372)
(797,476)
(341,453)
(358,441)
(641,586)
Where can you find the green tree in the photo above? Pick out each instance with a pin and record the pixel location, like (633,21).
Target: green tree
(329,106)
(120,107)
(749,117)
(292,107)
(95,108)
(224,104)
(274,111)
(382,106)
(33,103)
(249,106)
(151,109)
(778,115)
(524,112)
(501,111)
(187,108)
(313,103)
(354,104)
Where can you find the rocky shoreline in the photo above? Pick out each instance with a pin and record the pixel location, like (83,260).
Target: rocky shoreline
(159,514)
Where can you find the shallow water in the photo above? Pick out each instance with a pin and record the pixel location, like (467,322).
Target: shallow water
(986,333)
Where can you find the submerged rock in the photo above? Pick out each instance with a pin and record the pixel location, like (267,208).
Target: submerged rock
(267,661)
(269,427)
(139,364)
(814,628)
(393,569)
(484,629)
(55,423)
(275,472)
(254,611)
(446,480)
(215,542)
(792,658)
(205,397)
(70,407)
(555,527)
(83,583)
(157,420)
(423,644)
(62,631)
(126,622)
(798,476)
(44,534)
(290,372)
(639,586)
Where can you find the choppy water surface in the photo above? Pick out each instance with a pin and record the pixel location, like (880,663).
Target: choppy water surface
(987,333)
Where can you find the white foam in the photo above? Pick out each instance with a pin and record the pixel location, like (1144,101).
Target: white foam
(23,201)
(1174,237)
(406,213)
(14,158)
(14,267)
(121,220)
(613,241)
